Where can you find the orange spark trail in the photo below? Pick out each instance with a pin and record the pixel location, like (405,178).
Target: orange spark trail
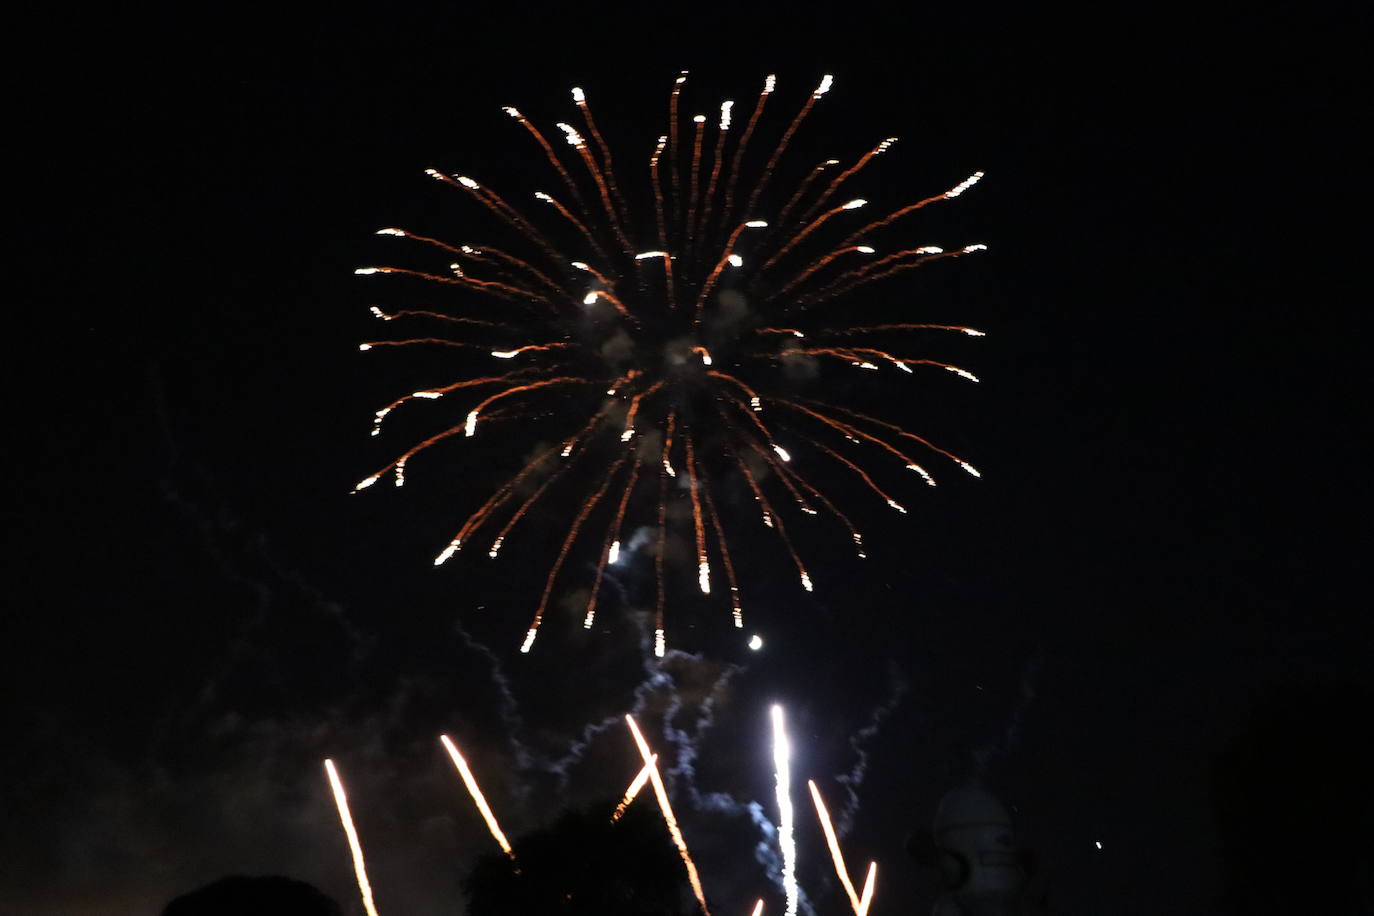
(768,84)
(575,140)
(662,794)
(563,551)
(902,433)
(667,272)
(580,99)
(854,432)
(724,555)
(672,146)
(811,227)
(508,214)
(847,174)
(834,843)
(814,266)
(359,867)
(895,263)
(910,208)
(576,223)
(781,221)
(548,151)
(725,257)
(471,782)
(666,457)
(633,791)
(786,139)
(532,386)
(690,221)
(438,316)
(611,548)
(658,192)
(659,640)
(716,160)
(475,519)
(703,564)
(770,518)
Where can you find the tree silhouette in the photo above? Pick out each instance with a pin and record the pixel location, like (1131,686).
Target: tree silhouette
(239,895)
(583,864)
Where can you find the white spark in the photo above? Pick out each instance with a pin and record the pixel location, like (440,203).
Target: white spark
(471,426)
(364,271)
(735,260)
(896,505)
(964,185)
(806,582)
(854,204)
(505,354)
(978,247)
(824,87)
(725,114)
(781,753)
(756,224)
(467,182)
(970,468)
(614,555)
(660,643)
(782,453)
(391,232)
(578,96)
(364,347)
(428,394)
(529,640)
(704,576)
(864,249)
(962,373)
(930,481)
(447,552)
(366,482)
(973,333)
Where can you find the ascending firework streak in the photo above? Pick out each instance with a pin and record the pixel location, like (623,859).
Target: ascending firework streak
(643,345)
(662,794)
(635,786)
(782,753)
(860,904)
(867,896)
(758,908)
(341,802)
(471,782)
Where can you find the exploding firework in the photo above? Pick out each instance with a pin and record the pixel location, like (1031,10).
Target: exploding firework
(661,338)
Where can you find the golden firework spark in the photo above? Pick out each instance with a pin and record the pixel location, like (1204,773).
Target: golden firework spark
(633,791)
(359,867)
(661,792)
(833,842)
(476,792)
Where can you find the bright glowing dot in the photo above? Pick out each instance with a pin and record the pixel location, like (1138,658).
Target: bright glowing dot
(962,373)
(514,113)
(699,119)
(448,551)
(660,644)
(589,299)
(896,505)
(471,426)
(428,394)
(755,403)
(378,313)
(650,254)
(496,547)
(401,473)
(364,346)
(901,365)
(669,468)
(578,96)
(756,224)
(434,173)
(682,78)
(467,182)
(366,482)
(735,260)
(782,453)
(391,232)
(504,354)
(364,271)
(725,114)
(866,365)
(567,450)
(1098,844)
(854,204)
(529,640)
(704,577)
(806,582)
(756,642)
(580,265)
(456,268)
(978,247)
(973,333)
(614,556)
(825,85)
(572,136)
(864,249)
(627,434)
(970,468)
(930,249)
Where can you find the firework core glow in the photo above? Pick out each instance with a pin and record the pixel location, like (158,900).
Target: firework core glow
(676,317)
(359,868)
(782,768)
(471,782)
(661,793)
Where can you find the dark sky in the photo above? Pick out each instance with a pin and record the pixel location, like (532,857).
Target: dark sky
(1168,543)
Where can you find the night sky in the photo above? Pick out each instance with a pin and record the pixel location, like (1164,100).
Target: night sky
(1144,627)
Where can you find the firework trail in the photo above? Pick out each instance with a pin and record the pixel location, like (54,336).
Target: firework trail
(834,843)
(662,794)
(781,762)
(613,331)
(634,788)
(359,867)
(471,782)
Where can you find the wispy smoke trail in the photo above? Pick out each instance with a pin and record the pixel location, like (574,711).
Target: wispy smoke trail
(851,781)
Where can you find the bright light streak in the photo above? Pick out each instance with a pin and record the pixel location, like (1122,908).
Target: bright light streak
(782,453)
(400,232)
(725,114)
(970,468)
(826,82)
(448,551)
(366,482)
(756,224)
(614,556)
(964,185)
(833,842)
(508,354)
(661,793)
(786,840)
(365,271)
(978,247)
(529,640)
(758,908)
(806,582)
(660,643)
(854,204)
(867,897)
(635,786)
(962,373)
(470,426)
(651,254)
(704,576)
(735,260)
(477,797)
(341,801)
(756,642)
(467,182)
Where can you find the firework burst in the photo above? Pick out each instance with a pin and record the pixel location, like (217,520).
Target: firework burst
(658,346)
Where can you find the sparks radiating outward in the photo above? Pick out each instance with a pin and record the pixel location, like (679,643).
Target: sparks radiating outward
(661,324)
(359,867)
(477,797)
(782,754)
